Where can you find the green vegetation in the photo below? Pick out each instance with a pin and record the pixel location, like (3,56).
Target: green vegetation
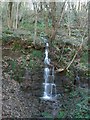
(65,28)
(79,101)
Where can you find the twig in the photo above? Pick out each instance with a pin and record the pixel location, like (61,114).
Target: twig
(72,59)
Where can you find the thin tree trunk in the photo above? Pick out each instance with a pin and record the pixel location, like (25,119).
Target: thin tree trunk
(46,24)
(10,4)
(46,19)
(35,31)
(62,13)
(17,15)
(53,16)
(41,6)
(68,24)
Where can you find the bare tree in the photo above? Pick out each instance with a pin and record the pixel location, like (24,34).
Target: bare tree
(16,15)
(18,5)
(69,19)
(9,13)
(36,17)
(53,17)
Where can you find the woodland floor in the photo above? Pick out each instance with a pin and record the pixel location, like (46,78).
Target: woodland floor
(21,96)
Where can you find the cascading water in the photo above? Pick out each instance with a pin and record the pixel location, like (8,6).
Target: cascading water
(49,85)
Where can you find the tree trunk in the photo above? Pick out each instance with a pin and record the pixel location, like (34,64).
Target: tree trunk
(41,6)
(35,30)
(69,20)
(53,17)
(46,19)
(9,12)
(17,4)
(16,17)
(62,13)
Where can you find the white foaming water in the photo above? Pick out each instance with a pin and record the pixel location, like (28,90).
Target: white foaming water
(46,74)
(47,45)
(46,60)
(49,85)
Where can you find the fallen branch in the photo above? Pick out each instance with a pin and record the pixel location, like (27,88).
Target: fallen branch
(80,47)
(74,57)
(66,68)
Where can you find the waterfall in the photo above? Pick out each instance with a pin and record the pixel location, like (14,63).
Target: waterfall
(48,85)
